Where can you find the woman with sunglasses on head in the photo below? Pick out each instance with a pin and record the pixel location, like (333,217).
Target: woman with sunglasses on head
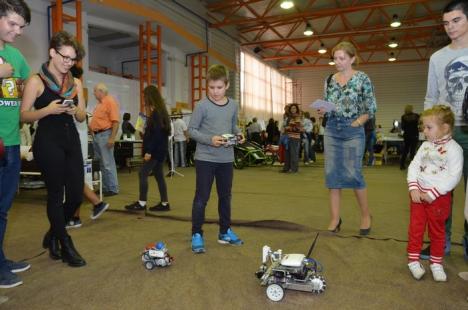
(57,98)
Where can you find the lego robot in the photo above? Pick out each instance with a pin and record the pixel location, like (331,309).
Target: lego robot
(156,254)
(290,271)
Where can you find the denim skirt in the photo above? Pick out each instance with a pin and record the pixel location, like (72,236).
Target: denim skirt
(344,150)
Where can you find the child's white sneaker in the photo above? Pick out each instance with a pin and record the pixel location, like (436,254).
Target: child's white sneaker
(417,270)
(438,272)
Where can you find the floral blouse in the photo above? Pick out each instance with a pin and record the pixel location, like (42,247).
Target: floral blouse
(353,99)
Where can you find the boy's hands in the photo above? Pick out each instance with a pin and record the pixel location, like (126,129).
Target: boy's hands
(241,138)
(217,140)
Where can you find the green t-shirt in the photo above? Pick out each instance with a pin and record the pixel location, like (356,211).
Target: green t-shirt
(11,91)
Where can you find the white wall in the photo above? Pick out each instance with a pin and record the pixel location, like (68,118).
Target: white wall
(396,85)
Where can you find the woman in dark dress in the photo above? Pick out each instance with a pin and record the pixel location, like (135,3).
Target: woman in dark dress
(57,98)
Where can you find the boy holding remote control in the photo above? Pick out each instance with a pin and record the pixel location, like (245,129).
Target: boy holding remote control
(212,117)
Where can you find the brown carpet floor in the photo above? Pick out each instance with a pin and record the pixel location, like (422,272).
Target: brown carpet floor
(283,211)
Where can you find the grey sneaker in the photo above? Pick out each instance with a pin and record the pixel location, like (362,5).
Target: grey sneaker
(9,279)
(16,267)
(99,209)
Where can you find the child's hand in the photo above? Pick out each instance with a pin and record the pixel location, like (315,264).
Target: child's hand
(217,140)
(415,196)
(426,197)
(240,138)
(147,157)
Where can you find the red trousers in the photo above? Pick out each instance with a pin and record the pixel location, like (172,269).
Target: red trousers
(433,214)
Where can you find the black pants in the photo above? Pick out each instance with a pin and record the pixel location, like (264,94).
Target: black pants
(59,158)
(409,146)
(157,168)
(206,172)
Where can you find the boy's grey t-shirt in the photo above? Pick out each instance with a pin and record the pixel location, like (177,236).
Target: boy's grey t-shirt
(447,80)
(208,120)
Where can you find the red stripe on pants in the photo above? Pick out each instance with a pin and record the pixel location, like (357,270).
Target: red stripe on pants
(433,214)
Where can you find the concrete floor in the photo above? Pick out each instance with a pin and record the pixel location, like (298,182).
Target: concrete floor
(283,211)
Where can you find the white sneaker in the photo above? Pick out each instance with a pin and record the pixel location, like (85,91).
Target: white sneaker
(438,272)
(417,270)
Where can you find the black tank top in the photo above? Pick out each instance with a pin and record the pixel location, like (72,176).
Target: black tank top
(55,121)
(54,125)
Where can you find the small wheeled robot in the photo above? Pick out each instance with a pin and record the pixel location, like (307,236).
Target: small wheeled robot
(290,271)
(155,254)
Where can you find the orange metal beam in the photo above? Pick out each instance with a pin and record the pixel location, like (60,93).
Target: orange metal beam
(227,4)
(146,48)
(317,13)
(147,59)
(78,20)
(338,34)
(407,21)
(141,52)
(327,56)
(302,67)
(160,68)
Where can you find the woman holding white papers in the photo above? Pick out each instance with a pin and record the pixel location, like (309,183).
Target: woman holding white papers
(353,95)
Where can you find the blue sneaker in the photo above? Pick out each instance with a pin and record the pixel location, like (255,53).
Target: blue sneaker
(229,238)
(16,267)
(198,244)
(8,279)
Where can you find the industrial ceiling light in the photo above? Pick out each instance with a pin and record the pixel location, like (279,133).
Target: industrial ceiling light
(331,62)
(299,61)
(395,21)
(287,4)
(393,43)
(392,57)
(308,30)
(322,49)
(257,49)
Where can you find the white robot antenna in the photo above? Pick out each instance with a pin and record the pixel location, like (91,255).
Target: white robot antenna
(266,251)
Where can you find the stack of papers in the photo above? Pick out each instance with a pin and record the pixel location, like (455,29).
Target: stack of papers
(327,106)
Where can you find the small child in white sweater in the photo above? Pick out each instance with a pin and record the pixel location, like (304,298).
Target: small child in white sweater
(434,172)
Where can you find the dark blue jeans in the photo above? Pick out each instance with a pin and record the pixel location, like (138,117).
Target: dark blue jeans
(9,177)
(206,172)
